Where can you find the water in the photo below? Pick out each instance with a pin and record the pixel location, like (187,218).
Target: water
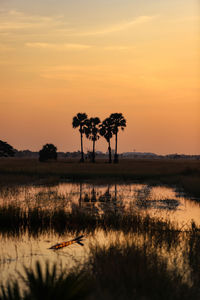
(159,201)
(24,250)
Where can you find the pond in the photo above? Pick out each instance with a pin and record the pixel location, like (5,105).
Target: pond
(24,249)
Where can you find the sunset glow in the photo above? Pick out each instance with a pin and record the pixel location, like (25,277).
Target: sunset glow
(62,57)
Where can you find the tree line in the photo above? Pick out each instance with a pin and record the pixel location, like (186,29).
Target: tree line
(93,128)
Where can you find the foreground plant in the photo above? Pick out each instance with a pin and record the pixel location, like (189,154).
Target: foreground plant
(121,271)
(48,283)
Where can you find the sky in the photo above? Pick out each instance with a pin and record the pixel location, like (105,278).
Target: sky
(140,58)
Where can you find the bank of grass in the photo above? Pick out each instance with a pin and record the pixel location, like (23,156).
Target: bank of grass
(183,173)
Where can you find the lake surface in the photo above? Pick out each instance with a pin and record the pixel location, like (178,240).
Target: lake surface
(158,201)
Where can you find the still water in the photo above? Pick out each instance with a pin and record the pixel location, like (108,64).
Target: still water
(158,201)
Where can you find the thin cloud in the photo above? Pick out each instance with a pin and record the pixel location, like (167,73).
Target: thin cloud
(119,27)
(86,72)
(58,46)
(19,21)
(16,20)
(118,48)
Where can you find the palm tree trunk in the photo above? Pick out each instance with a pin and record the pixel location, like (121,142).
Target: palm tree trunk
(82,156)
(109,150)
(116,156)
(93,153)
(80,198)
(115,198)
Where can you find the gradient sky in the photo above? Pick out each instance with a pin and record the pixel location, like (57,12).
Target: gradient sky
(141,58)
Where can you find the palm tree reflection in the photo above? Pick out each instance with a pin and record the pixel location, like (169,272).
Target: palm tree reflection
(101,202)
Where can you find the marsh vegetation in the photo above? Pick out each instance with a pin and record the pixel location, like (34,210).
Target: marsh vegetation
(128,252)
(150,260)
(138,242)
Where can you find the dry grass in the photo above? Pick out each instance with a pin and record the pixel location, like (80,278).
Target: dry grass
(72,169)
(184,173)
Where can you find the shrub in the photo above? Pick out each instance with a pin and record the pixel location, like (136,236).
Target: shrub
(6,150)
(49,151)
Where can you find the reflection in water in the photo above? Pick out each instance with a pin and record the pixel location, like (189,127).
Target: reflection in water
(158,200)
(101,200)
(144,200)
(97,200)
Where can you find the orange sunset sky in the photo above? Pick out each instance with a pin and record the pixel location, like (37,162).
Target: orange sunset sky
(141,58)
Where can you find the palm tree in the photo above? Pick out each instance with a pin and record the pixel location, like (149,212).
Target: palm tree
(106,130)
(79,121)
(92,132)
(118,121)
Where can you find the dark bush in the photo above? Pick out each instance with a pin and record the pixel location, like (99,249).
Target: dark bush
(49,151)
(6,150)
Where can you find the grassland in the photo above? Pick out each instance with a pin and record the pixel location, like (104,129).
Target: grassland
(182,173)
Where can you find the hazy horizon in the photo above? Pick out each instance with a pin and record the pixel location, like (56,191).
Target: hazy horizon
(103,148)
(140,58)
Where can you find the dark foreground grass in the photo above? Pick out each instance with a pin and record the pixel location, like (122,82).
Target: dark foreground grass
(120,272)
(132,269)
(52,283)
(131,272)
(184,173)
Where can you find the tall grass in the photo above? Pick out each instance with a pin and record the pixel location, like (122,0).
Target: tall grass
(15,220)
(137,269)
(119,271)
(132,272)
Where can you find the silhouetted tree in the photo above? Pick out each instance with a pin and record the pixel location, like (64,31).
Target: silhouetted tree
(106,130)
(6,150)
(118,121)
(49,151)
(92,132)
(79,121)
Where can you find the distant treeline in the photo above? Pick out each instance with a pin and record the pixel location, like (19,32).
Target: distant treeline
(77,154)
(73,154)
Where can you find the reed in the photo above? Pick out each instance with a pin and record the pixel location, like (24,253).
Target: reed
(126,271)
(15,220)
